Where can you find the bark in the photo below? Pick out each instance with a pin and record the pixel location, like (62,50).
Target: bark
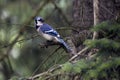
(87,13)
(82,14)
(96,19)
(82,21)
(106,10)
(117,5)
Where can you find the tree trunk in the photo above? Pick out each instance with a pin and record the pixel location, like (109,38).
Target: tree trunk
(82,14)
(82,21)
(117,5)
(104,10)
(87,13)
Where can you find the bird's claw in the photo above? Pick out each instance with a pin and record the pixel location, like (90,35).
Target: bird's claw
(43,46)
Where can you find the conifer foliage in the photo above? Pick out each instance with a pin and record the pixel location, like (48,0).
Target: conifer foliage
(104,63)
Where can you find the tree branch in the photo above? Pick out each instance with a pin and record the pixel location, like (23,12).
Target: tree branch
(43,62)
(48,73)
(61,12)
(79,53)
(39,8)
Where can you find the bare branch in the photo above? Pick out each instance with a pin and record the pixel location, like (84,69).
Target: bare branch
(79,53)
(39,8)
(61,12)
(45,60)
(47,73)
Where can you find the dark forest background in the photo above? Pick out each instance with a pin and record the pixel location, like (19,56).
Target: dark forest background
(90,27)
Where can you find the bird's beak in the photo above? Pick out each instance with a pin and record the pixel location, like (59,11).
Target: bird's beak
(35,21)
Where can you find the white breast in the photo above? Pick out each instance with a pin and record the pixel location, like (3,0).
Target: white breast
(48,37)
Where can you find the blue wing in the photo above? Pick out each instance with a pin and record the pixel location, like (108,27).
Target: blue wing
(47,29)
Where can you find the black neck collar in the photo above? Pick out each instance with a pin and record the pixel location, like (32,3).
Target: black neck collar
(37,27)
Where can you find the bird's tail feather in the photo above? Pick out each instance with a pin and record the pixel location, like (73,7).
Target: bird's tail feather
(65,46)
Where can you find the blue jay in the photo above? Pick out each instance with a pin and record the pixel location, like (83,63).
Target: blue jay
(50,34)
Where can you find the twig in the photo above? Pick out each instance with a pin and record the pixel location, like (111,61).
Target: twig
(5,46)
(55,68)
(95,35)
(49,72)
(10,65)
(40,6)
(54,75)
(67,28)
(37,76)
(62,57)
(62,28)
(79,53)
(61,12)
(16,24)
(45,60)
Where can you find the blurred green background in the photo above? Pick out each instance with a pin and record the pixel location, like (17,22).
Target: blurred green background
(26,54)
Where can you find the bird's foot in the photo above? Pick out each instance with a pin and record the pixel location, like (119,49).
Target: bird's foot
(43,45)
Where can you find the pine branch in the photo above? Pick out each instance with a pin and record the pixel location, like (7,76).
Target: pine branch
(48,73)
(79,53)
(43,62)
(51,70)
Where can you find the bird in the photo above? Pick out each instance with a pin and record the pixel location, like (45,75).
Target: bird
(50,34)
